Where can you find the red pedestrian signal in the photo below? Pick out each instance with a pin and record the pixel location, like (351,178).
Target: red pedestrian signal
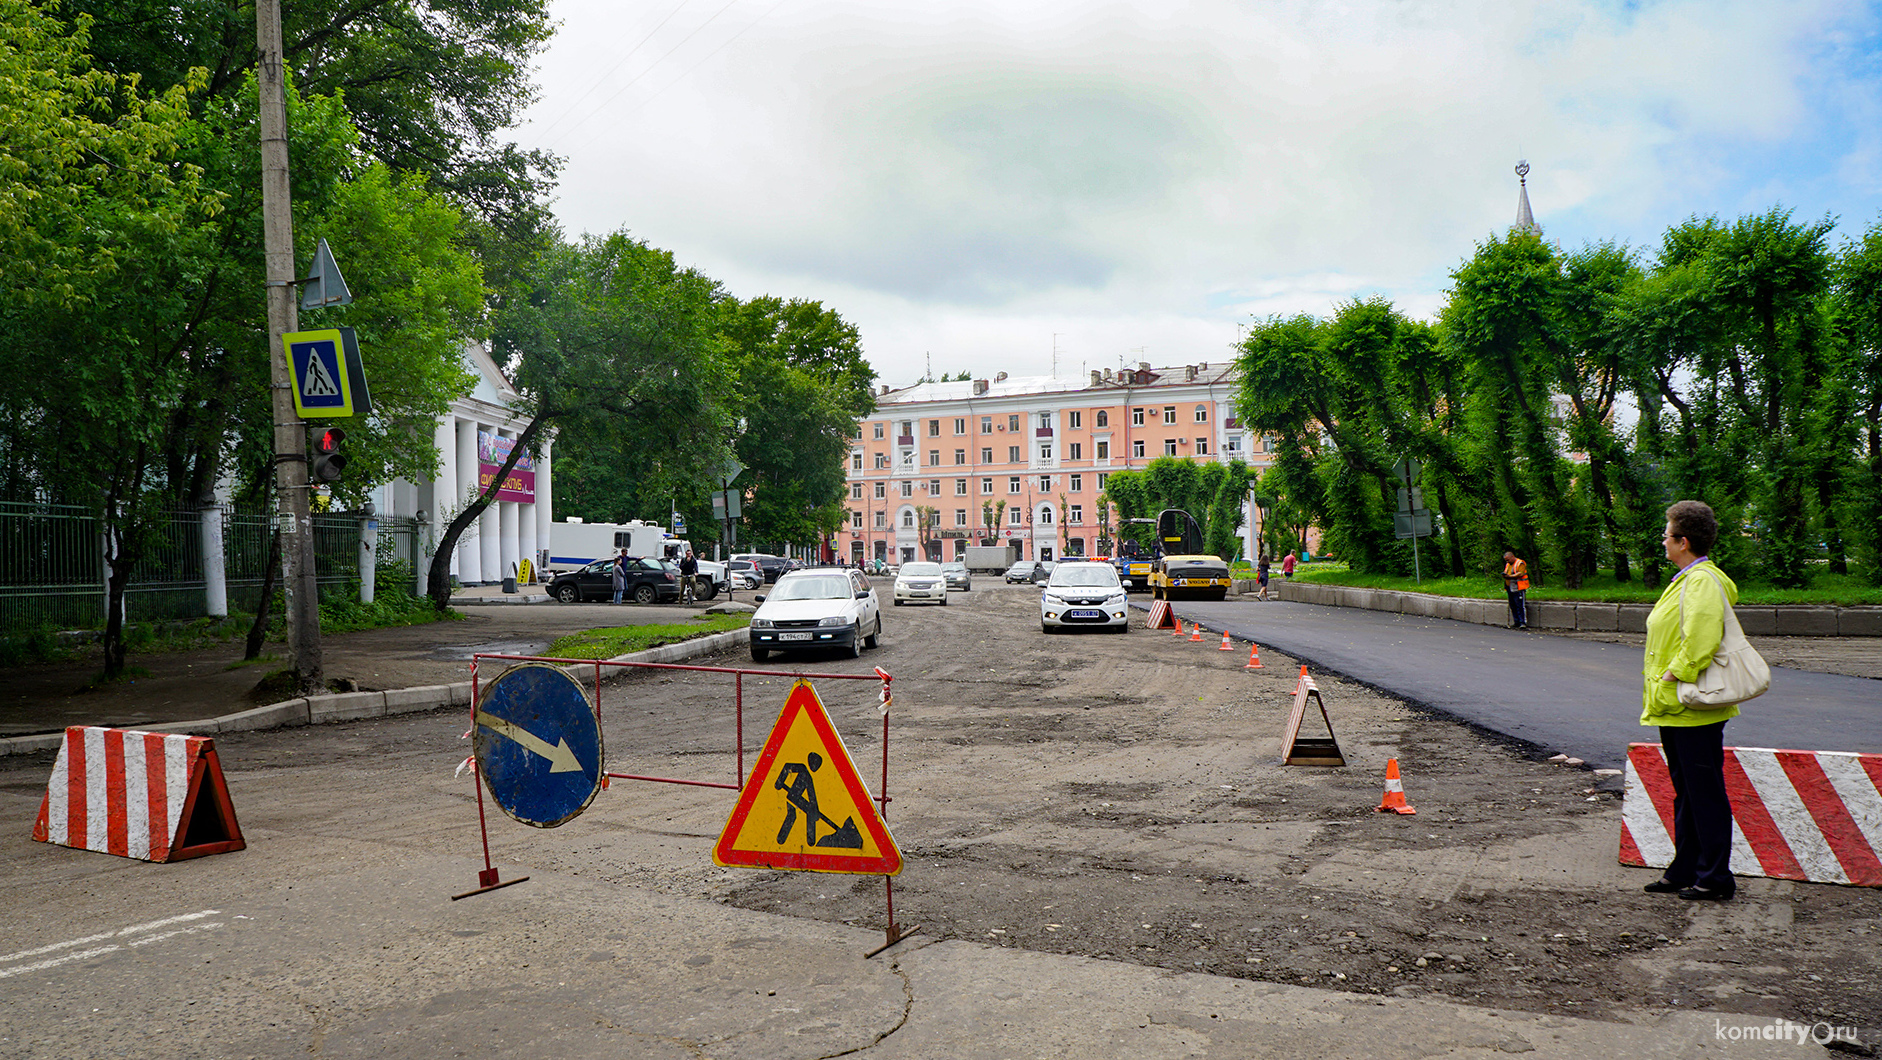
(328,460)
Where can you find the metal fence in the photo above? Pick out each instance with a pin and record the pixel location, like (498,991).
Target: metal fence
(53,570)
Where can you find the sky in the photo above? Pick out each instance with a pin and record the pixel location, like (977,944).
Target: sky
(1053,187)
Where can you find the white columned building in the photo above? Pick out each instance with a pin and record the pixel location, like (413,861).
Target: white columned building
(473,439)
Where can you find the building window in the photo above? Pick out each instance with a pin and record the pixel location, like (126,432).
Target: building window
(908,519)
(858,435)
(1015,516)
(908,429)
(1267,443)
(1045,453)
(1101,477)
(1012,422)
(1012,484)
(1045,483)
(1137,417)
(1075,420)
(856,491)
(881,490)
(1137,448)
(934,487)
(934,458)
(1078,484)
(1045,516)
(1234,443)
(856,460)
(960,456)
(879,520)
(1104,418)
(986,425)
(986,454)
(1075,450)
(960,517)
(856,520)
(960,487)
(1202,414)
(1169,447)
(908,488)
(986,485)
(1045,421)
(882,461)
(1169,414)
(1076,514)
(934,517)
(908,458)
(934,428)
(878,432)
(1103,450)
(1202,447)
(1012,454)
(960,425)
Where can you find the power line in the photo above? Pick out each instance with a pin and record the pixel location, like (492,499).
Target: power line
(702,61)
(650,68)
(570,109)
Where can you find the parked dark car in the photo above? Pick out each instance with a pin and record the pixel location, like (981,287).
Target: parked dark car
(771,565)
(648,581)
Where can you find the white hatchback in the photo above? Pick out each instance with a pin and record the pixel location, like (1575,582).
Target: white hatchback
(1084,595)
(921,583)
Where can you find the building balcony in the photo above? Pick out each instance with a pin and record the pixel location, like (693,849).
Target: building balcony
(1042,432)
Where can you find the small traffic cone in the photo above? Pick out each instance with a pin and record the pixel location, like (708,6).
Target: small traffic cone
(1254,657)
(1195,633)
(1394,791)
(1226,646)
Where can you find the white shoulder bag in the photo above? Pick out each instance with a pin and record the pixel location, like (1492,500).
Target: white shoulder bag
(1737,672)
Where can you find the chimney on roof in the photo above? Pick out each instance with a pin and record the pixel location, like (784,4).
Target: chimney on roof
(980,387)
(1189,373)
(1107,375)
(1143,366)
(1095,377)
(999,377)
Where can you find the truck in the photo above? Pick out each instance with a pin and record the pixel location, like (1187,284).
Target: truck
(992,559)
(574,543)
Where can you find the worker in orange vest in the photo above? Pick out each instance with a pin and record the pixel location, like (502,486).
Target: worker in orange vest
(1516,585)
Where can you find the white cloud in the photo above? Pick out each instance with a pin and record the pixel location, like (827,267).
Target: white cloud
(971,178)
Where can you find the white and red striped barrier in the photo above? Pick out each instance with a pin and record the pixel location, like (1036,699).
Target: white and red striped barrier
(147,795)
(1162,616)
(1796,815)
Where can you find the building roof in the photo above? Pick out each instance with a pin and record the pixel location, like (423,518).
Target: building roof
(1525,220)
(1101,382)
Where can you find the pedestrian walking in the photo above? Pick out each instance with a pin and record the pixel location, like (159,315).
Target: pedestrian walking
(618,575)
(1683,632)
(689,576)
(1516,587)
(1287,566)
(1261,578)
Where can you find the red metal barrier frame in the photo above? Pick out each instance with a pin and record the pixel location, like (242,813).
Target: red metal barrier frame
(488,879)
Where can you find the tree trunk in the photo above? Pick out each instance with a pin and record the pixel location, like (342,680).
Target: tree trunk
(257,630)
(438,581)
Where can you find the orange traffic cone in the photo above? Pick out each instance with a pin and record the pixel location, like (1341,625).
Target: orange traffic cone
(1226,646)
(1394,791)
(1195,633)
(1254,657)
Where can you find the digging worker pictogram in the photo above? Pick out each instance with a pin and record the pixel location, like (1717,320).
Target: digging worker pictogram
(800,792)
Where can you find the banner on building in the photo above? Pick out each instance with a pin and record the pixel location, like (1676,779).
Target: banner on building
(492,451)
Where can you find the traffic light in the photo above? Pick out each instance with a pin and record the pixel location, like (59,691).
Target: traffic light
(328,460)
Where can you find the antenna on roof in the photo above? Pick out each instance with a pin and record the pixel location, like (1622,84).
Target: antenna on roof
(1055,355)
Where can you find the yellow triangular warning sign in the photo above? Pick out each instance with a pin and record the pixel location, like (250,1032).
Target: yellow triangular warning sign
(804,806)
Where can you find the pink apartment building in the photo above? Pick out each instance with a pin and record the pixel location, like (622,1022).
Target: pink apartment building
(1043,446)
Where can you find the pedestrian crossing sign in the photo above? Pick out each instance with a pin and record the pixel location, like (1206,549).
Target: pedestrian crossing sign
(804,806)
(329,380)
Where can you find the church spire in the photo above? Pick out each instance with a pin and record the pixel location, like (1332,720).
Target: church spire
(1525,221)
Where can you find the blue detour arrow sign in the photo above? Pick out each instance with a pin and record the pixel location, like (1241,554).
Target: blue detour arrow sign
(538,745)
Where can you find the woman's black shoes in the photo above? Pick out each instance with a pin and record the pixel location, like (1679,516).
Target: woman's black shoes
(1663,886)
(1705,894)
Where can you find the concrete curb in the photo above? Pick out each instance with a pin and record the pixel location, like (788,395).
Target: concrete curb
(356,706)
(1766,620)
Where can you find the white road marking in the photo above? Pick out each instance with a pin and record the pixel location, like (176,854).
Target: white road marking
(134,929)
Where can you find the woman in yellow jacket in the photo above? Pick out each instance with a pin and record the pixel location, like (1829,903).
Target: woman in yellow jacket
(1693,738)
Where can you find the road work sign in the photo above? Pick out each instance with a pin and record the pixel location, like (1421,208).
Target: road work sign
(538,745)
(804,805)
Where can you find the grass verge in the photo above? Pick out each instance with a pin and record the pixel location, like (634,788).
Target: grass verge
(609,641)
(1826,590)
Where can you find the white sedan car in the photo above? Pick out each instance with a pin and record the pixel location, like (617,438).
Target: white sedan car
(816,607)
(921,583)
(1084,595)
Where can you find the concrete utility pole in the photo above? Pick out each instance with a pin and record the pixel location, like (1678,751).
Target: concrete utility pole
(290,433)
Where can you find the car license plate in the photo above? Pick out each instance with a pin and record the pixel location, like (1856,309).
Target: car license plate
(793,636)
(1084,614)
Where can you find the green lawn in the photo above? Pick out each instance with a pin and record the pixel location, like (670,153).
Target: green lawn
(609,641)
(1840,590)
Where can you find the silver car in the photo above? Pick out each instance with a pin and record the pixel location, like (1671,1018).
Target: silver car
(958,576)
(921,582)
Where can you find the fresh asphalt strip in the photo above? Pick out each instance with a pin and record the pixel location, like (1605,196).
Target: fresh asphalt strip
(1581,698)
